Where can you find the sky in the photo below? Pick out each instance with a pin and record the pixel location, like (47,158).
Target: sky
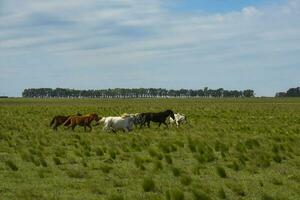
(173,44)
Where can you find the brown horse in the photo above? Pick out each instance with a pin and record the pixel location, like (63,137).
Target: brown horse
(59,120)
(84,121)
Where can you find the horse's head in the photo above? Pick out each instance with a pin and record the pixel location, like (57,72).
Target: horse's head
(171,114)
(96,118)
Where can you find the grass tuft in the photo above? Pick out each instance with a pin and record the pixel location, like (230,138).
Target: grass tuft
(116,197)
(12,165)
(200,195)
(185,180)
(176,171)
(267,197)
(177,195)
(221,193)
(221,172)
(236,188)
(168,159)
(77,172)
(148,184)
(99,151)
(57,161)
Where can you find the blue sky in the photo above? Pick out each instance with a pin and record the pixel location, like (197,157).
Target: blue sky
(90,44)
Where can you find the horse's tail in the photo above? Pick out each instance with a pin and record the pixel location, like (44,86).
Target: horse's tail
(68,121)
(52,122)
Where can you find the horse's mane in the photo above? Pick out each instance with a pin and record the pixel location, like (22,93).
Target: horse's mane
(124,115)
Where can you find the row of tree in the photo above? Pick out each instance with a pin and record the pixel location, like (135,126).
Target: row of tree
(133,93)
(292,92)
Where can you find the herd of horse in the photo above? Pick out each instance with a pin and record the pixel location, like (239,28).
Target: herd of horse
(125,122)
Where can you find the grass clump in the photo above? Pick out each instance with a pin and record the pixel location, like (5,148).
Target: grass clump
(200,195)
(26,156)
(185,180)
(148,184)
(43,162)
(236,188)
(57,161)
(221,172)
(234,165)
(177,195)
(277,158)
(277,181)
(139,162)
(106,168)
(221,193)
(116,196)
(77,172)
(267,197)
(262,160)
(176,171)
(12,165)
(158,165)
(168,159)
(99,151)
(112,154)
(165,147)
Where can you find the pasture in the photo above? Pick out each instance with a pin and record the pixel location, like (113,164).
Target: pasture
(230,149)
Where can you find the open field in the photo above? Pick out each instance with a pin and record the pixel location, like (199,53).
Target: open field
(231,149)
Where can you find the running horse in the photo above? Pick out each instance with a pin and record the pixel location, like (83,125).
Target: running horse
(159,117)
(84,121)
(59,120)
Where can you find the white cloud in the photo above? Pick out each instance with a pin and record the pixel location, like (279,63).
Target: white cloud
(140,32)
(250,11)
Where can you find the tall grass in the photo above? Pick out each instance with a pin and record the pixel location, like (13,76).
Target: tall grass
(231,149)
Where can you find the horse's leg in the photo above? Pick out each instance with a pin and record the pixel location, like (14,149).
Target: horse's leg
(126,129)
(73,127)
(159,124)
(113,130)
(55,127)
(148,124)
(90,127)
(165,124)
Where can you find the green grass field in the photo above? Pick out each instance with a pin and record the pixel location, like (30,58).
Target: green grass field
(231,149)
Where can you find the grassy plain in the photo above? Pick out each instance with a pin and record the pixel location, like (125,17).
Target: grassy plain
(231,149)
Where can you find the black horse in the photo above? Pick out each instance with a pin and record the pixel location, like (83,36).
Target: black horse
(159,117)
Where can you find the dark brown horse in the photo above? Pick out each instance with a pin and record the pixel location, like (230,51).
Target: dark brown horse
(59,120)
(84,121)
(159,117)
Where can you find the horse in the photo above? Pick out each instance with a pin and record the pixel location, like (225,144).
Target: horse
(59,120)
(137,118)
(84,121)
(159,117)
(179,119)
(125,123)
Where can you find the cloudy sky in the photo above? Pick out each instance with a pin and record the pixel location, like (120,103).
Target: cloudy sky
(173,44)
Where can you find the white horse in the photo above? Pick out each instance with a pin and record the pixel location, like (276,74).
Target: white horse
(137,118)
(124,123)
(179,119)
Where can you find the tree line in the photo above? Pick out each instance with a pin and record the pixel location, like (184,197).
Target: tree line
(133,93)
(292,92)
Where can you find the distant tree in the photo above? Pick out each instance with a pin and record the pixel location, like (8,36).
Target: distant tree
(280,94)
(134,93)
(292,92)
(248,93)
